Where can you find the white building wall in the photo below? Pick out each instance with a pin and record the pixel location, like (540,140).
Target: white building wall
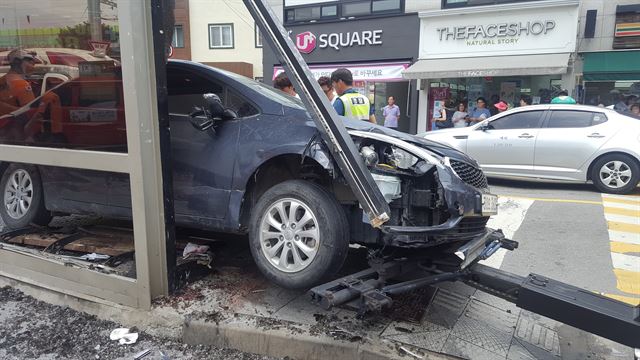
(205,12)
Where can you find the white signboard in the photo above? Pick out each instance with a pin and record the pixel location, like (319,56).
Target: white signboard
(537,30)
(361,72)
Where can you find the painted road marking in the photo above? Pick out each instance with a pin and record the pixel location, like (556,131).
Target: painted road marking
(511,214)
(619,236)
(589,202)
(624,248)
(622,213)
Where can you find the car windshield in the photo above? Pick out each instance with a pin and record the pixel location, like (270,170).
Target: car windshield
(267,91)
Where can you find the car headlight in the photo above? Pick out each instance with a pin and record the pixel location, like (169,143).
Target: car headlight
(402,159)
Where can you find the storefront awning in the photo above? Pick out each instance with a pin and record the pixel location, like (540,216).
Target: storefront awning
(543,64)
(611,66)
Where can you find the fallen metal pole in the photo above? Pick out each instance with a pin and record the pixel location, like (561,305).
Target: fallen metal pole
(325,117)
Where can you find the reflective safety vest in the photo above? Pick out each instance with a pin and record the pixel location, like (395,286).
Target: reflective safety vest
(356,106)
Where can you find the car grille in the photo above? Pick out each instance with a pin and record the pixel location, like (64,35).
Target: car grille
(470,174)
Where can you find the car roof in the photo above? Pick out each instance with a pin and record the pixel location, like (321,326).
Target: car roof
(577,107)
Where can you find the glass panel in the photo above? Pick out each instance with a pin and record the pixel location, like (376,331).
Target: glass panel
(328,11)
(93,197)
(60,75)
(307,13)
(178,37)
(290,15)
(227,36)
(523,120)
(570,119)
(352,9)
(386,5)
(216,39)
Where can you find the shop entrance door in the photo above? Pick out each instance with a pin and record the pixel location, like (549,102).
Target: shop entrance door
(505,146)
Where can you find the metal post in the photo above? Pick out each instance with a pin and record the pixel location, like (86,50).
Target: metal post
(95,21)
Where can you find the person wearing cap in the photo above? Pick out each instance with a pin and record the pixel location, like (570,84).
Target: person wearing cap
(501,106)
(350,103)
(563,98)
(15,91)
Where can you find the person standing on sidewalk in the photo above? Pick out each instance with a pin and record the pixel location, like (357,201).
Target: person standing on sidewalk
(283,84)
(480,113)
(350,103)
(391,113)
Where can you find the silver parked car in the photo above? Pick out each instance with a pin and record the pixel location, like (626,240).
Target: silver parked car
(573,143)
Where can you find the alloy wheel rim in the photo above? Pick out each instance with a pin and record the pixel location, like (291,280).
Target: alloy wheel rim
(18,194)
(289,235)
(615,174)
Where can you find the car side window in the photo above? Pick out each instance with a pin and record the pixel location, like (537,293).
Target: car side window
(186,89)
(239,104)
(575,119)
(520,120)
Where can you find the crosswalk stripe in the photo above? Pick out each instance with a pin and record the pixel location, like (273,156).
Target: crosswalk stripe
(624,248)
(628,281)
(635,207)
(621,201)
(626,299)
(625,237)
(588,202)
(626,262)
(625,212)
(621,226)
(623,219)
(628,196)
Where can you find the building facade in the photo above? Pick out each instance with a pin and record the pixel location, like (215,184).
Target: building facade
(496,49)
(224,36)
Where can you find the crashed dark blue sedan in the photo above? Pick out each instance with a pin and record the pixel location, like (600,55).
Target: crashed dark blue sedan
(257,165)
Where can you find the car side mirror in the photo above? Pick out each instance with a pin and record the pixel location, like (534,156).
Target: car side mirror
(229,115)
(214,106)
(484,127)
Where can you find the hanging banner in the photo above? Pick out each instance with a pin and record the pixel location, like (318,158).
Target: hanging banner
(361,72)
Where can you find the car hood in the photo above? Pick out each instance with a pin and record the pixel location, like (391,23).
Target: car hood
(437,148)
(433,146)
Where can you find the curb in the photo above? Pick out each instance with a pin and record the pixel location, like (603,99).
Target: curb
(239,332)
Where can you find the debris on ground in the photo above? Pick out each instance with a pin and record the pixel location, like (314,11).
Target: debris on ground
(32,329)
(124,336)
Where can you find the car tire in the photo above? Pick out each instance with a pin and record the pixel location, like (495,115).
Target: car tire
(22,197)
(615,174)
(303,248)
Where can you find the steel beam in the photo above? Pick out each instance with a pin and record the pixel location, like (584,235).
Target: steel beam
(327,120)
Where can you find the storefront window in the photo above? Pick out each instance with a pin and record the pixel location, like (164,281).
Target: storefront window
(60,76)
(461,3)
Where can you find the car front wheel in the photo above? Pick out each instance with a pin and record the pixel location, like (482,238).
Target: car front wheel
(298,234)
(615,174)
(22,197)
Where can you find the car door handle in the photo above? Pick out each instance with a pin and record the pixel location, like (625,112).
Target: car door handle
(595,135)
(526,136)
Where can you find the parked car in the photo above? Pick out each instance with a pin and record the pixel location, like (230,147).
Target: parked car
(572,143)
(248,159)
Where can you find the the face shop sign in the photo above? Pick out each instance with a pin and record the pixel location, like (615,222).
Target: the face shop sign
(307,41)
(484,33)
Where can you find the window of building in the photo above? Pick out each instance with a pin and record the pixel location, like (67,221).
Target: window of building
(385,5)
(462,3)
(521,120)
(574,119)
(258,37)
(221,36)
(313,11)
(178,37)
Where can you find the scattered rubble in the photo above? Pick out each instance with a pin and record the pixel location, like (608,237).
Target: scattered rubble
(32,329)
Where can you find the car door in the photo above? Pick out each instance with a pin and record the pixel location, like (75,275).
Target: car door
(568,139)
(505,146)
(203,161)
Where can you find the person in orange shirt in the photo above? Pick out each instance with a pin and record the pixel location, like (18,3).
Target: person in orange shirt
(15,91)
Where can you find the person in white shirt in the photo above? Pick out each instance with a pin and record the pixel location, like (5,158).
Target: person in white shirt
(327,88)
(459,117)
